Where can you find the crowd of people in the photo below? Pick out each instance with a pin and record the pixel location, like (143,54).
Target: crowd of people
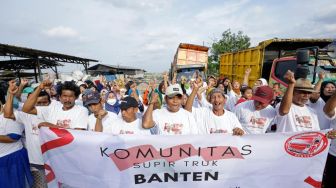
(171,107)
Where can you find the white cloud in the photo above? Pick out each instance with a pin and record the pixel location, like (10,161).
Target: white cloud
(61,32)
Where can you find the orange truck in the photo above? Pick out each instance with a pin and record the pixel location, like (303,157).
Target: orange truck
(272,58)
(189,60)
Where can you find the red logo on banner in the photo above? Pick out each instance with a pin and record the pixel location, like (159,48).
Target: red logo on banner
(306,144)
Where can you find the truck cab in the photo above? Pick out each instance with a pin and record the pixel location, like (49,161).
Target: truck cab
(272,58)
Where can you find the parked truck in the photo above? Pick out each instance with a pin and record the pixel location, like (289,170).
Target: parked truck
(272,58)
(189,60)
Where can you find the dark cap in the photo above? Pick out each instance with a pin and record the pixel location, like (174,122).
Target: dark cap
(263,94)
(90,97)
(128,102)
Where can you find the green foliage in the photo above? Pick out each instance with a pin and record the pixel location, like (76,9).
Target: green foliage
(230,42)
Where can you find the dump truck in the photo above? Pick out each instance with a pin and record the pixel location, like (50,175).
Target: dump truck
(272,58)
(189,60)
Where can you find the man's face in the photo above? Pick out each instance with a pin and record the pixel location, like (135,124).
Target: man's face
(95,108)
(217,100)
(260,105)
(174,103)
(300,98)
(42,101)
(68,98)
(129,115)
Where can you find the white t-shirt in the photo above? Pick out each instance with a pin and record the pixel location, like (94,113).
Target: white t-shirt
(76,117)
(324,122)
(122,127)
(209,123)
(332,149)
(174,123)
(8,126)
(231,101)
(298,119)
(109,119)
(32,132)
(254,121)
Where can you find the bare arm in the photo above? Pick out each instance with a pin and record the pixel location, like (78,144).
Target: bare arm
(6,139)
(8,109)
(191,98)
(286,102)
(246,76)
(315,96)
(99,120)
(29,105)
(147,119)
(23,83)
(329,107)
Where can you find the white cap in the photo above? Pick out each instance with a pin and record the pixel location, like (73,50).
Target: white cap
(173,90)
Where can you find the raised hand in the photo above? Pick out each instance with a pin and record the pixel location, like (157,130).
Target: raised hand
(321,75)
(24,82)
(154,98)
(248,71)
(289,76)
(13,88)
(46,84)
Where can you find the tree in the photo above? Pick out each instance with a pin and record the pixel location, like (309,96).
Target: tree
(230,42)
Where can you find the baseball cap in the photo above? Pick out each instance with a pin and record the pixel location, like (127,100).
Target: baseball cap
(303,84)
(90,97)
(263,94)
(128,102)
(173,90)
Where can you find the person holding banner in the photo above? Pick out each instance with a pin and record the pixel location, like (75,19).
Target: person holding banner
(64,115)
(329,176)
(215,120)
(30,123)
(14,164)
(129,123)
(100,119)
(257,115)
(172,119)
(293,113)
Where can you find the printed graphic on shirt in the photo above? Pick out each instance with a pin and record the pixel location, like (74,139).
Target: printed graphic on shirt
(216,131)
(176,128)
(126,132)
(303,121)
(64,123)
(35,130)
(257,122)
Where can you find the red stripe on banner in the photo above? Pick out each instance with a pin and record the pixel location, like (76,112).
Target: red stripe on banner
(314,183)
(50,175)
(65,138)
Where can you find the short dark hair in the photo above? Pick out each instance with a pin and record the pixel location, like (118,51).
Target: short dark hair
(69,85)
(44,93)
(244,89)
(276,83)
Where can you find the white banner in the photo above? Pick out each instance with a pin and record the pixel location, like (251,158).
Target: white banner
(88,159)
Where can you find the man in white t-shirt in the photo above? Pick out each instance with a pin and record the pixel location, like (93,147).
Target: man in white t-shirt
(32,139)
(59,115)
(129,123)
(257,115)
(215,120)
(293,115)
(172,119)
(100,118)
(329,175)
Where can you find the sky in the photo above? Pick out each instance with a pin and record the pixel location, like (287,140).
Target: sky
(146,33)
